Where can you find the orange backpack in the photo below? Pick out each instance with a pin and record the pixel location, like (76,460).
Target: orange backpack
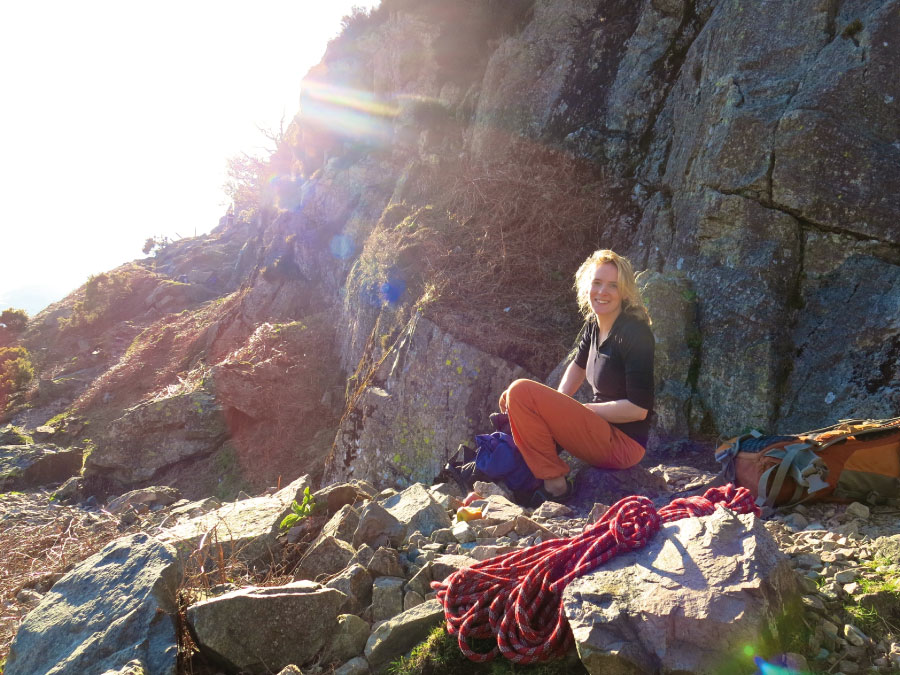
(853,460)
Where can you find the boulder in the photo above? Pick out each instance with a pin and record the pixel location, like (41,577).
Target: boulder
(326,556)
(336,496)
(156,434)
(13,435)
(385,563)
(114,607)
(246,528)
(691,601)
(419,404)
(609,486)
(387,597)
(378,527)
(28,466)
(356,583)
(349,640)
(888,547)
(398,635)
(262,630)
(146,498)
(437,570)
(488,489)
(355,666)
(342,524)
(496,509)
(417,510)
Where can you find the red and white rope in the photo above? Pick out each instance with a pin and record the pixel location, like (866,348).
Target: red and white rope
(517,597)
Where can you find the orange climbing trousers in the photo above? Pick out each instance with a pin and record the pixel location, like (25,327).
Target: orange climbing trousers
(541,417)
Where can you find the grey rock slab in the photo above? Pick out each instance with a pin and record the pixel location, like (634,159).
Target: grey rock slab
(342,524)
(594,485)
(337,496)
(888,546)
(445,565)
(378,527)
(387,597)
(348,641)
(161,495)
(246,528)
(27,466)
(326,556)
(398,635)
(155,434)
(416,509)
(412,599)
(114,607)
(356,666)
(356,583)
(261,630)
(497,509)
(385,563)
(674,605)
(403,430)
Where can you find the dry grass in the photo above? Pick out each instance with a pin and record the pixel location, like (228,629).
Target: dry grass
(39,542)
(168,347)
(496,248)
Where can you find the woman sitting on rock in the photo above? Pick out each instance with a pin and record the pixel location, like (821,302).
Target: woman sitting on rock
(615,354)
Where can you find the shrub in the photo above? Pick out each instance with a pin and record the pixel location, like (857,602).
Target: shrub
(14,320)
(16,372)
(154,243)
(106,297)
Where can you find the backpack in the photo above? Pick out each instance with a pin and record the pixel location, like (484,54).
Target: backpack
(853,460)
(498,458)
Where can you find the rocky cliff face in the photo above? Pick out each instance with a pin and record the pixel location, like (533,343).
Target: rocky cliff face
(451,167)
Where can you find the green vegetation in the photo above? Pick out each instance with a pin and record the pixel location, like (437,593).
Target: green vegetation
(155,243)
(885,583)
(14,320)
(57,420)
(439,654)
(10,435)
(300,511)
(874,610)
(106,299)
(16,372)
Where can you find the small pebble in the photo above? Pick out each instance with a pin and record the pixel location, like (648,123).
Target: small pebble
(857,510)
(854,635)
(813,602)
(845,576)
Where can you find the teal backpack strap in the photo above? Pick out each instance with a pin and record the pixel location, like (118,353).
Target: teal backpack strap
(766,495)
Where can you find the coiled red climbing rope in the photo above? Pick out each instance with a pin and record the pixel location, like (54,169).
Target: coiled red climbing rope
(517,597)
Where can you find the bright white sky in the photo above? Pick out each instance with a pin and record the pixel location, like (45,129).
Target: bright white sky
(118,116)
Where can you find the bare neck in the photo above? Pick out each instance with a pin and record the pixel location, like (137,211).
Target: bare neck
(605,324)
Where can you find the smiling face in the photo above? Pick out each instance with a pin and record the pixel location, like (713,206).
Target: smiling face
(606,299)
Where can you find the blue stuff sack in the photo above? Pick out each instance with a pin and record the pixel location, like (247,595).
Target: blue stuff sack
(497,456)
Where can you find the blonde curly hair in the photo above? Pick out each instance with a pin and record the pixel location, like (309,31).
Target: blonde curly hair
(631,299)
